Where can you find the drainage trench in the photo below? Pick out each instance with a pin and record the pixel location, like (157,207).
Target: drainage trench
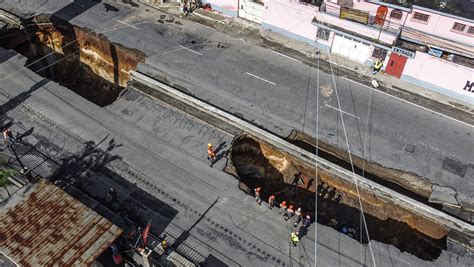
(259,165)
(76,58)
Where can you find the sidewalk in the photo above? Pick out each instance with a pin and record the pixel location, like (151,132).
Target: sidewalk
(252,32)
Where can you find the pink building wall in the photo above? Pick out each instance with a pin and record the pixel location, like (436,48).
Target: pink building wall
(370,32)
(292,18)
(228,7)
(440,75)
(440,26)
(372,9)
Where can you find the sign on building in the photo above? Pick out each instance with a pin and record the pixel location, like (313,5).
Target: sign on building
(403,52)
(354,15)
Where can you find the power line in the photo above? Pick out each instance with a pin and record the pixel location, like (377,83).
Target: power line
(351,162)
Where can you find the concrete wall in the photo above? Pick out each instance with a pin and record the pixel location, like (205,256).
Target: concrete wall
(440,76)
(228,7)
(293,20)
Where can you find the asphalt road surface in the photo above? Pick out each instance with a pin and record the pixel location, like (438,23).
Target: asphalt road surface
(281,94)
(167,146)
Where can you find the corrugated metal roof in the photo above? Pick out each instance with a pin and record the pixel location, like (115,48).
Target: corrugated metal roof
(49,227)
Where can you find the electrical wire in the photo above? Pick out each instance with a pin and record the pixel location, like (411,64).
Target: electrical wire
(315,164)
(350,160)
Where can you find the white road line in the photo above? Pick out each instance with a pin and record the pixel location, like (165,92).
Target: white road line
(347,113)
(253,75)
(283,55)
(79,4)
(130,25)
(411,103)
(190,50)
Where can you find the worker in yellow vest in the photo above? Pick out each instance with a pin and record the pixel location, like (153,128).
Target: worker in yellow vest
(378,64)
(294,239)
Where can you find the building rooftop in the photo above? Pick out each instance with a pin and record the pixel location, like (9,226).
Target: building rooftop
(461,8)
(45,226)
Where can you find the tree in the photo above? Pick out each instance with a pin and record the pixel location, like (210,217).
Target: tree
(4,175)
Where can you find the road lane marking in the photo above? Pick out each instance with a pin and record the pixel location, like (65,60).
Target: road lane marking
(411,103)
(283,55)
(130,25)
(347,113)
(255,76)
(83,6)
(190,50)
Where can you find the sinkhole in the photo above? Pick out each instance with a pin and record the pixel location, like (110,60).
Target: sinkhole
(75,57)
(257,164)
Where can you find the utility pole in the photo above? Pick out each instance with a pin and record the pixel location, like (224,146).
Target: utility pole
(381,26)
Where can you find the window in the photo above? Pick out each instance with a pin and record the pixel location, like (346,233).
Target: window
(459,27)
(379,53)
(470,30)
(420,17)
(396,14)
(323,34)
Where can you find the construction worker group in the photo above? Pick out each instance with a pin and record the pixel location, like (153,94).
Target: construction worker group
(289,213)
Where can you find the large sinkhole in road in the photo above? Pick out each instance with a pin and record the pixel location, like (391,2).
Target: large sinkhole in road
(77,58)
(259,165)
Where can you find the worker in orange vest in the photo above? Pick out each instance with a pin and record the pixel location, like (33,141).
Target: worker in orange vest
(257,195)
(211,154)
(271,201)
(289,213)
(282,207)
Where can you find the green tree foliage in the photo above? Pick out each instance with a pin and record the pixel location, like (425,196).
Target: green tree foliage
(4,175)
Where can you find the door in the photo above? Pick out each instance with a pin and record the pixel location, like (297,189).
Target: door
(352,49)
(360,52)
(337,44)
(395,65)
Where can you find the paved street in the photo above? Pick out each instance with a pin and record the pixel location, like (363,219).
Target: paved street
(280,94)
(164,148)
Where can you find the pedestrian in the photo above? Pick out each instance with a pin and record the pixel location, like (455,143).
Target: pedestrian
(289,213)
(164,245)
(294,239)
(112,194)
(271,201)
(306,221)
(302,232)
(8,135)
(297,218)
(211,154)
(377,66)
(257,195)
(184,9)
(282,207)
